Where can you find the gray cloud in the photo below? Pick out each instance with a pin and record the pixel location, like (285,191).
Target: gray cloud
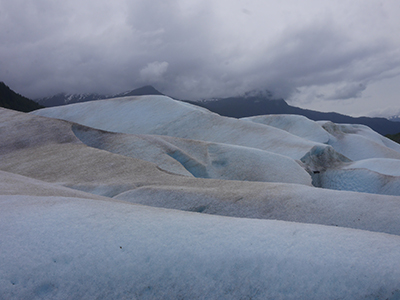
(154,71)
(196,49)
(349,90)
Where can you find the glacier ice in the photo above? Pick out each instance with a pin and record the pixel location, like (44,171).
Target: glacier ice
(142,205)
(244,145)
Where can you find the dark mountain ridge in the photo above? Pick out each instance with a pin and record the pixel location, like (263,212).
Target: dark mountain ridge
(63,98)
(250,104)
(247,106)
(11,100)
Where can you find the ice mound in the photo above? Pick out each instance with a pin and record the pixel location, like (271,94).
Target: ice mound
(376,159)
(161,115)
(332,170)
(380,165)
(359,142)
(294,124)
(286,202)
(358,180)
(197,158)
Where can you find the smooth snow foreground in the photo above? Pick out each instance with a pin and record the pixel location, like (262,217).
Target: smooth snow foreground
(93,214)
(73,248)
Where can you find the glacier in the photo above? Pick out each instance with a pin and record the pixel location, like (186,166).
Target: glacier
(293,137)
(148,197)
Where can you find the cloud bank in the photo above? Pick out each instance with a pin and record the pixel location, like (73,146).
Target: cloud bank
(197,49)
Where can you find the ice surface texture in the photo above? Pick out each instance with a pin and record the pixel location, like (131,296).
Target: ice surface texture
(72,248)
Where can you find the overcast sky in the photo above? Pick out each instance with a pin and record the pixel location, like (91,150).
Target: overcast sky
(321,54)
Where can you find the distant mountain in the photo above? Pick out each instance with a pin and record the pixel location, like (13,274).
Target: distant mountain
(264,104)
(394,118)
(145,90)
(250,104)
(12,100)
(63,98)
